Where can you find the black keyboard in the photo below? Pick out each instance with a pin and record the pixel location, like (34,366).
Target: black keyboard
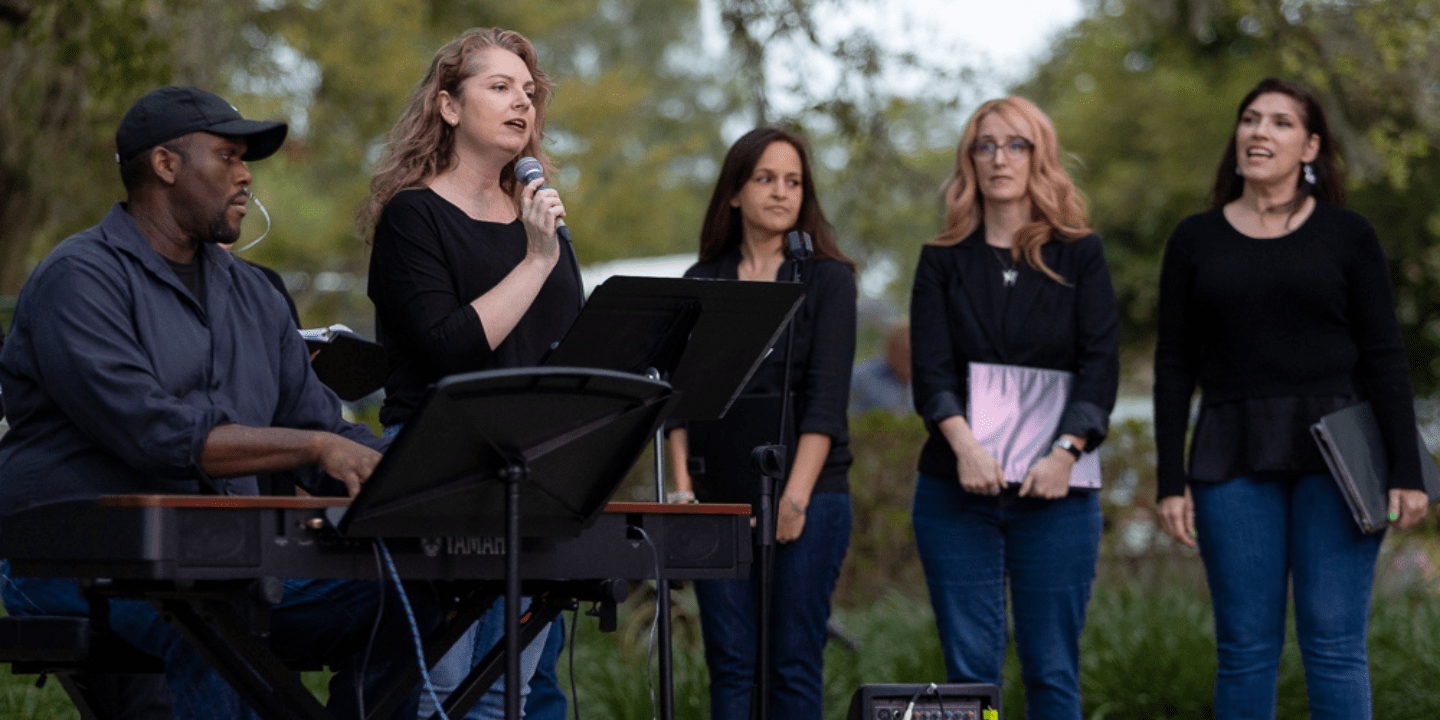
(179,537)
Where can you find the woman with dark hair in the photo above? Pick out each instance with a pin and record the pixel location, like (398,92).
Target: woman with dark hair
(1019,283)
(1276,302)
(463,271)
(765,190)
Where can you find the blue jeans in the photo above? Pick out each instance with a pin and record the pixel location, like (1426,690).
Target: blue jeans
(971,545)
(326,621)
(468,651)
(546,700)
(471,649)
(1254,534)
(805,572)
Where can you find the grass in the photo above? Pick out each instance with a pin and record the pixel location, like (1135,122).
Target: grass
(1146,653)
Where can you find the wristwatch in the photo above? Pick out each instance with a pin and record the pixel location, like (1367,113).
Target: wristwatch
(1065,444)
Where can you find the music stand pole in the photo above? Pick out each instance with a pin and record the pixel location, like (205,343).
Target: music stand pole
(662,589)
(771,474)
(514,475)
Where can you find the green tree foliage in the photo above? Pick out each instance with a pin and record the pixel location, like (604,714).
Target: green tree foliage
(632,125)
(642,116)
(68,71)
(880,155)
(1144,95)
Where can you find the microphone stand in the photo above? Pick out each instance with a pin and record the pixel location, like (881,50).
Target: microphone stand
(666,699)
(772,463)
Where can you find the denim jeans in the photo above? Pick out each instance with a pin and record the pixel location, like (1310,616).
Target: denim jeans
(1256,533)
(971,546)
(468,651)
(327,621)
(547,700)
(471,648)
(804,577)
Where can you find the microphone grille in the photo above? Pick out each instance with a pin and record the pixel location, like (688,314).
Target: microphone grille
(527,169)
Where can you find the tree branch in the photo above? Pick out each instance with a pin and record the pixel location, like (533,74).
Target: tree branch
(14,12)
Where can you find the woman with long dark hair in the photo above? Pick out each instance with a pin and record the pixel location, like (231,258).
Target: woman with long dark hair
(1016,284)
(467,272)
(1276,303)
(765,190)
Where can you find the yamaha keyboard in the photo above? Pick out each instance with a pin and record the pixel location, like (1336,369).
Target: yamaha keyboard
(201,559)
(206,537)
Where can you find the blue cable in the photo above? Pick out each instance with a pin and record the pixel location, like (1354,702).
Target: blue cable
(414,629)
(650,653)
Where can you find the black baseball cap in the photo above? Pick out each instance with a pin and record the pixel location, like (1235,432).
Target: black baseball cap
(172,111)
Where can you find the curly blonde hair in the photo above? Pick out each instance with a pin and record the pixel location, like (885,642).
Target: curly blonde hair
(422,144)
(1057,209)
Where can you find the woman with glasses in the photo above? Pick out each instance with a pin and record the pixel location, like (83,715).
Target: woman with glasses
(1016,279)
(1276,302)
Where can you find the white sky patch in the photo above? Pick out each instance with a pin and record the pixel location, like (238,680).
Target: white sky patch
(1001,41)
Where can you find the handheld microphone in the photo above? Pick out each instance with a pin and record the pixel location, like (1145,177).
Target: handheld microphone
(527,170)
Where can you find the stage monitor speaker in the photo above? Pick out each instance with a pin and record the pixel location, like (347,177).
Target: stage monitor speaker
(926,701)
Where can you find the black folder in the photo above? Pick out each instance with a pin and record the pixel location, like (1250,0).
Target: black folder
(1350,442)
(345,361)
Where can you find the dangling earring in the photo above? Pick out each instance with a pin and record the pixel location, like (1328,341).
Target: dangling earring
(1237,170)
(1309,174)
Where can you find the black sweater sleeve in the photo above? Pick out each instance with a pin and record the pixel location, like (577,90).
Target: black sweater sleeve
(937,375)
(1097,347)
(1176,358)
(1382,367)
(414,293)
(826,383)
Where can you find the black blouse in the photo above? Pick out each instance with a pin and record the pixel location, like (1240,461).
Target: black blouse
(429,262)
(960,312)
(1276,332)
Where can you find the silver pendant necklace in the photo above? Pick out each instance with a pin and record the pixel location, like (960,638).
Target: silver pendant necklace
(1009,273)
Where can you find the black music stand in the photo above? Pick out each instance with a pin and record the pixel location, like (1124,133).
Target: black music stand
(719,461)
(485,450)
(707,337)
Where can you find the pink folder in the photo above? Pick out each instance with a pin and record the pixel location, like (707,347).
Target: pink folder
(1015,413)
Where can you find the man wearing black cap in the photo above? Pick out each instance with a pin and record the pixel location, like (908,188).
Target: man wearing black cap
(144,359)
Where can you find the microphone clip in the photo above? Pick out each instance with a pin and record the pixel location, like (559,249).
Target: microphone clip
(799,246)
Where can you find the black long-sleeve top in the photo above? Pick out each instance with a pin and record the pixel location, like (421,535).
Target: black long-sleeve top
(429,262)
(961,313)
(1306,316)
(824,353)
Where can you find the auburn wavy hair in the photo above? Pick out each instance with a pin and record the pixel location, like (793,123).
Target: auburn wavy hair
(1057,208)
(422,144)
(723,229)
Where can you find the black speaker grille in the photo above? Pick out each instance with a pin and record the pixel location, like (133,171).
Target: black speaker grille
(700,542)
(219,538)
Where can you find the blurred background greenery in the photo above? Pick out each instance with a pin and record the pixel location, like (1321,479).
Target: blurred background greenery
(650,93)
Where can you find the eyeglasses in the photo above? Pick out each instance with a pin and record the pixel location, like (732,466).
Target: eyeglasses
(1012,147)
